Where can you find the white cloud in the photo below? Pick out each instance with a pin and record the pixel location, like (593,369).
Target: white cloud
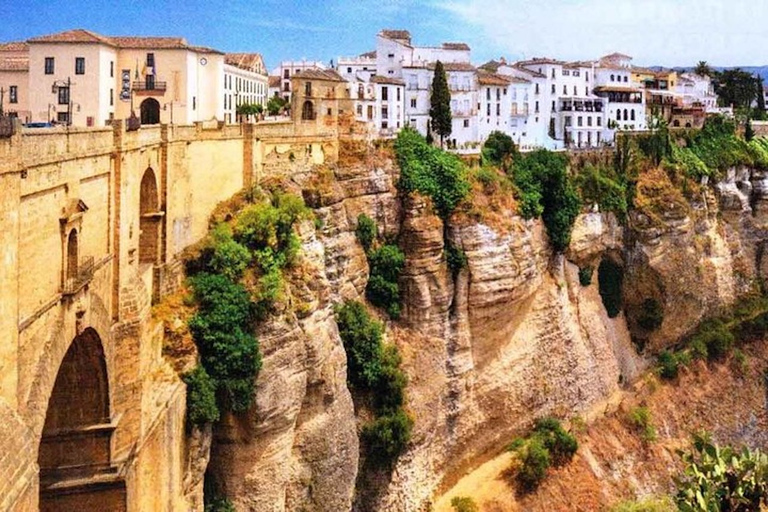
(667,32)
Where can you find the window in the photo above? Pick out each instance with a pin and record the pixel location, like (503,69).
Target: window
(586,91)
(567,121)
(488,94)
(194,102)
(613,78)
(618,115)
(385,112)
(626,78)
(586,76)
(498,109)
(63,95)
(79,65)
(330,112)
(553,72)
(13,94)
(599,123)
(589,120)
(398,94)
(565,89)
(360,111)
(553,88)
(575,93)
(391,55)
(385,93)
(308,89)
(579,121)
(466,123)
(49,65)
(553,106)
(566,72)
(286,74)
(633,115)
(626,118)
(111,97)
(150,60)
(150,82)
(537,89)
(62,117)
(413,102)
(349,70)
(111,69)
(537,107)
(488,109)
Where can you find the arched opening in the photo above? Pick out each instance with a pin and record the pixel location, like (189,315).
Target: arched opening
(610,277)
(676,123)
(150,111)
(72,255)
(308,111)
(75,461)
(148,219)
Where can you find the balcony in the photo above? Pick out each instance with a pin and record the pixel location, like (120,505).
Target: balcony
(149,88)
(82,277)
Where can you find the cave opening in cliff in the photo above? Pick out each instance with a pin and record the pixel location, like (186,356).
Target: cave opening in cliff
(610,278)
(75,448)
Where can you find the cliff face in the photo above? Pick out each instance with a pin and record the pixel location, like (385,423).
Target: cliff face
(512,337)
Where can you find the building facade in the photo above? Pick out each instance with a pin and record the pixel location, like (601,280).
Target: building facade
(286,70)
(14,80)
(245,83)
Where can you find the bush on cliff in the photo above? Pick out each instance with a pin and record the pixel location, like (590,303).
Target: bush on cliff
(373,370)
(201,397)
(599,185)
(431,172)
(544,189)
(366,231)
(500,150)
(549,444)
(386,264)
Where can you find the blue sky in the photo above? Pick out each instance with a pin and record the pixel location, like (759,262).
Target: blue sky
(665,32)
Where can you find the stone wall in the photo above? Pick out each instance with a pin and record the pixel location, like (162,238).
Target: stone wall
(86,184)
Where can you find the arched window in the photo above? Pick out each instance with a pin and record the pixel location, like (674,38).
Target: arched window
(149,205)
(633,115)
(72,255)
(626,117)
(618,115)
(613,78)
(150,111)
(676,123)
(308,111)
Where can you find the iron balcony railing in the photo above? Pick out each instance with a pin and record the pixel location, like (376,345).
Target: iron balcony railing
(150,86)
(83,276)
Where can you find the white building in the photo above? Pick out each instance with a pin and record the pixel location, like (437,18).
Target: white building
(362,67)
(245,82)
(625,106)
(697,90)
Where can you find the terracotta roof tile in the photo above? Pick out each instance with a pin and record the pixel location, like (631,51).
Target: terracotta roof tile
(369,55)
(485,78)
(77,35)
(376,79)
(14,46)
(456,46)
(158,43)
(248,61)
(540,60)
(319,74)
(274,81)
(396,34)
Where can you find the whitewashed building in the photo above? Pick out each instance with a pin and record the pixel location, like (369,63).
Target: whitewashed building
(697,90)
(245,83)
(625,100)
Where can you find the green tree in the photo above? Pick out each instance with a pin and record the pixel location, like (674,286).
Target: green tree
(735,87)
(440,104)
(499,149)
(760,94)
(703,69)
(749,133)
(275,105)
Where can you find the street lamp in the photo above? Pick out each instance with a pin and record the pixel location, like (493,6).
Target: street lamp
(61,84)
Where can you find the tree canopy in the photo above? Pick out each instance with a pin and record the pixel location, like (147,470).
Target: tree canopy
(440,104)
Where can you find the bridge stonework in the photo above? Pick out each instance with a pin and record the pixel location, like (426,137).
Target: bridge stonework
(92,222)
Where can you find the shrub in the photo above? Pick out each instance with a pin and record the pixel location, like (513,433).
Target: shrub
(464,504)
(609,278)
(387,436)
(663,504)
(585,276)
(431,171)
(535,461)
(668,364)
(720,479)
(599,185)
(561,445)
(362,341)
(543,188)
(455,257)
(651,315)
(201,397)
(219,504)
(230,259)
(641,421)
(386,263)
(713,340)
(499,149)
(366,231)
(389,394)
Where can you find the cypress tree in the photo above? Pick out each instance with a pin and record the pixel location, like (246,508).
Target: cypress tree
(440,104)
(760,96)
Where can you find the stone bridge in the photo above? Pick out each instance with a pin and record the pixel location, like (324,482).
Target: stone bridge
(91,224)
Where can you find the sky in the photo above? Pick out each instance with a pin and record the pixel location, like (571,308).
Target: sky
(654,32)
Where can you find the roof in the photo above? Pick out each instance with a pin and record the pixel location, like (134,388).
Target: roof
(80,35)
(369,55)
(616,88)
(396,34)
(274,81)
(376,79)
(456,46)
(531,72)
(581,64)
(491,65)
(616,55)
(14,64)
(247,61)
(541,60)
(319,74)
(485,78)
(77,35)
(14,46)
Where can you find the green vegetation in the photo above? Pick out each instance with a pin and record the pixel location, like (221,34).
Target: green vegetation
(373,370)
(249,109)
(366,231)
(276,104)
(236,278)
(455,257)
(599,184)
(651,315)
(464,504)
(499,150)
(219,504)
(440,104)
(641,421)
(386,264)
(663,504)
(547,445)
(430,171)
(716,337)
(585,276)
(609,278)
(544,189)
(722,479)
(201,397)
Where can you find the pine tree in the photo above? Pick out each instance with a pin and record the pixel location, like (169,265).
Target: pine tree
(440,104)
